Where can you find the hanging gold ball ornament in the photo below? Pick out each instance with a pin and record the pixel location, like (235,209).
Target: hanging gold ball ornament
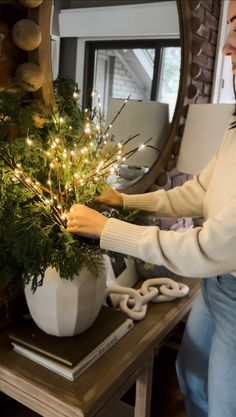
(31,75)
(31,4)
(26,34)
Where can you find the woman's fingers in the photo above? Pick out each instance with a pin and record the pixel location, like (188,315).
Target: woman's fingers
(85,221)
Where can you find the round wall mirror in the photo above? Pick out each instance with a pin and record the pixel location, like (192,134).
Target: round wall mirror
(197,45)
(139,59)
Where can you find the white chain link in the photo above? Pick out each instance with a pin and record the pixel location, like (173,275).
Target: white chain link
(157,290)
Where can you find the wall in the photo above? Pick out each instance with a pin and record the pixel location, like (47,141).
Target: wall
(204,23)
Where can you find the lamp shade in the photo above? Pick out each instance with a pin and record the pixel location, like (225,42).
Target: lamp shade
(204,130)
(149,119)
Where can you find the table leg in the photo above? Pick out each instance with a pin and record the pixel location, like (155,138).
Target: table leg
(144,390)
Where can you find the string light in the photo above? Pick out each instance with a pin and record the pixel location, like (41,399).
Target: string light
(29,141)
(76,161)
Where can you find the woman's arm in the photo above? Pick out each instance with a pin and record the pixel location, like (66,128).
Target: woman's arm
(184,201)
(201,251)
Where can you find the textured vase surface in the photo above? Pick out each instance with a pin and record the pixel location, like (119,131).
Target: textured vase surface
(63,307)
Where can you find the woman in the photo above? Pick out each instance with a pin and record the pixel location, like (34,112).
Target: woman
(206,363)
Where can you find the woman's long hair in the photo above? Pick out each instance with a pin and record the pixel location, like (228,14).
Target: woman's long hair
(233,124)
(234,89)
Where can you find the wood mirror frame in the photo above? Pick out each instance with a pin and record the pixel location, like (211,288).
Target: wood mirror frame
(198,21)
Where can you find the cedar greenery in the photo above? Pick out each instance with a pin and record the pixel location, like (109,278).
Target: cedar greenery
(50,161)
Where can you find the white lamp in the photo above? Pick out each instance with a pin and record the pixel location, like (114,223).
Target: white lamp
(149,119)
(204,130)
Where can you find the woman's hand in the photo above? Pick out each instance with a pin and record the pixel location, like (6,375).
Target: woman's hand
(85,221)
(111,198)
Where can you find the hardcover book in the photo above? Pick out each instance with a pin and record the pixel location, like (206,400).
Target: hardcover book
(70,356)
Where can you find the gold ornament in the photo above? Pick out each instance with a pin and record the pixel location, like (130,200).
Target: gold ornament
(26,34)
(31,74)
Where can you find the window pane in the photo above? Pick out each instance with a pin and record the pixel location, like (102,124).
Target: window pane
(169,78)
(122,72)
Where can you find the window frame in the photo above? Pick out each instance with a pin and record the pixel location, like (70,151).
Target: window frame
(89,61)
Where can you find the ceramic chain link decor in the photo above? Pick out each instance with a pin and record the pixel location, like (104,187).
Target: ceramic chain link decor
(156,290)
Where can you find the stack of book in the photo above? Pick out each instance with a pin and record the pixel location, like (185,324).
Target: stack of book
(70,356)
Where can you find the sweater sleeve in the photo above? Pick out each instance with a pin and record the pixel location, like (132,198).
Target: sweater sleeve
(202,251)
(184,201)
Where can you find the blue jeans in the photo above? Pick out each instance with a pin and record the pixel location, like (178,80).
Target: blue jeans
(206,362)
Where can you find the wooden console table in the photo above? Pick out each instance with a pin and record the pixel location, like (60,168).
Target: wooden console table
(107,380)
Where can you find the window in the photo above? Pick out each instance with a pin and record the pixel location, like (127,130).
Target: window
(142,69)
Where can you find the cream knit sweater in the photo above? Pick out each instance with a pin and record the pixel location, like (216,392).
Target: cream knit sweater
(202,251)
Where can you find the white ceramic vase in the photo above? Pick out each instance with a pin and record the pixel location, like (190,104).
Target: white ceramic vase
(62,307)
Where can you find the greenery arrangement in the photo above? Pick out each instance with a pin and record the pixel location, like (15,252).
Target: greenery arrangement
(49,162)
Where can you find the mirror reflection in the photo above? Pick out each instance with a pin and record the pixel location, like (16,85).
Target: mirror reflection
(143,70)
(120,51)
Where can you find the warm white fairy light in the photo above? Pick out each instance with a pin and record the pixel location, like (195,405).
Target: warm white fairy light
(29,141)
(87,129)
(89,156)
(141,147)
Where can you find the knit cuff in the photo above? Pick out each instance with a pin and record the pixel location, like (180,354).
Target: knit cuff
(122,237)
(147,201)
